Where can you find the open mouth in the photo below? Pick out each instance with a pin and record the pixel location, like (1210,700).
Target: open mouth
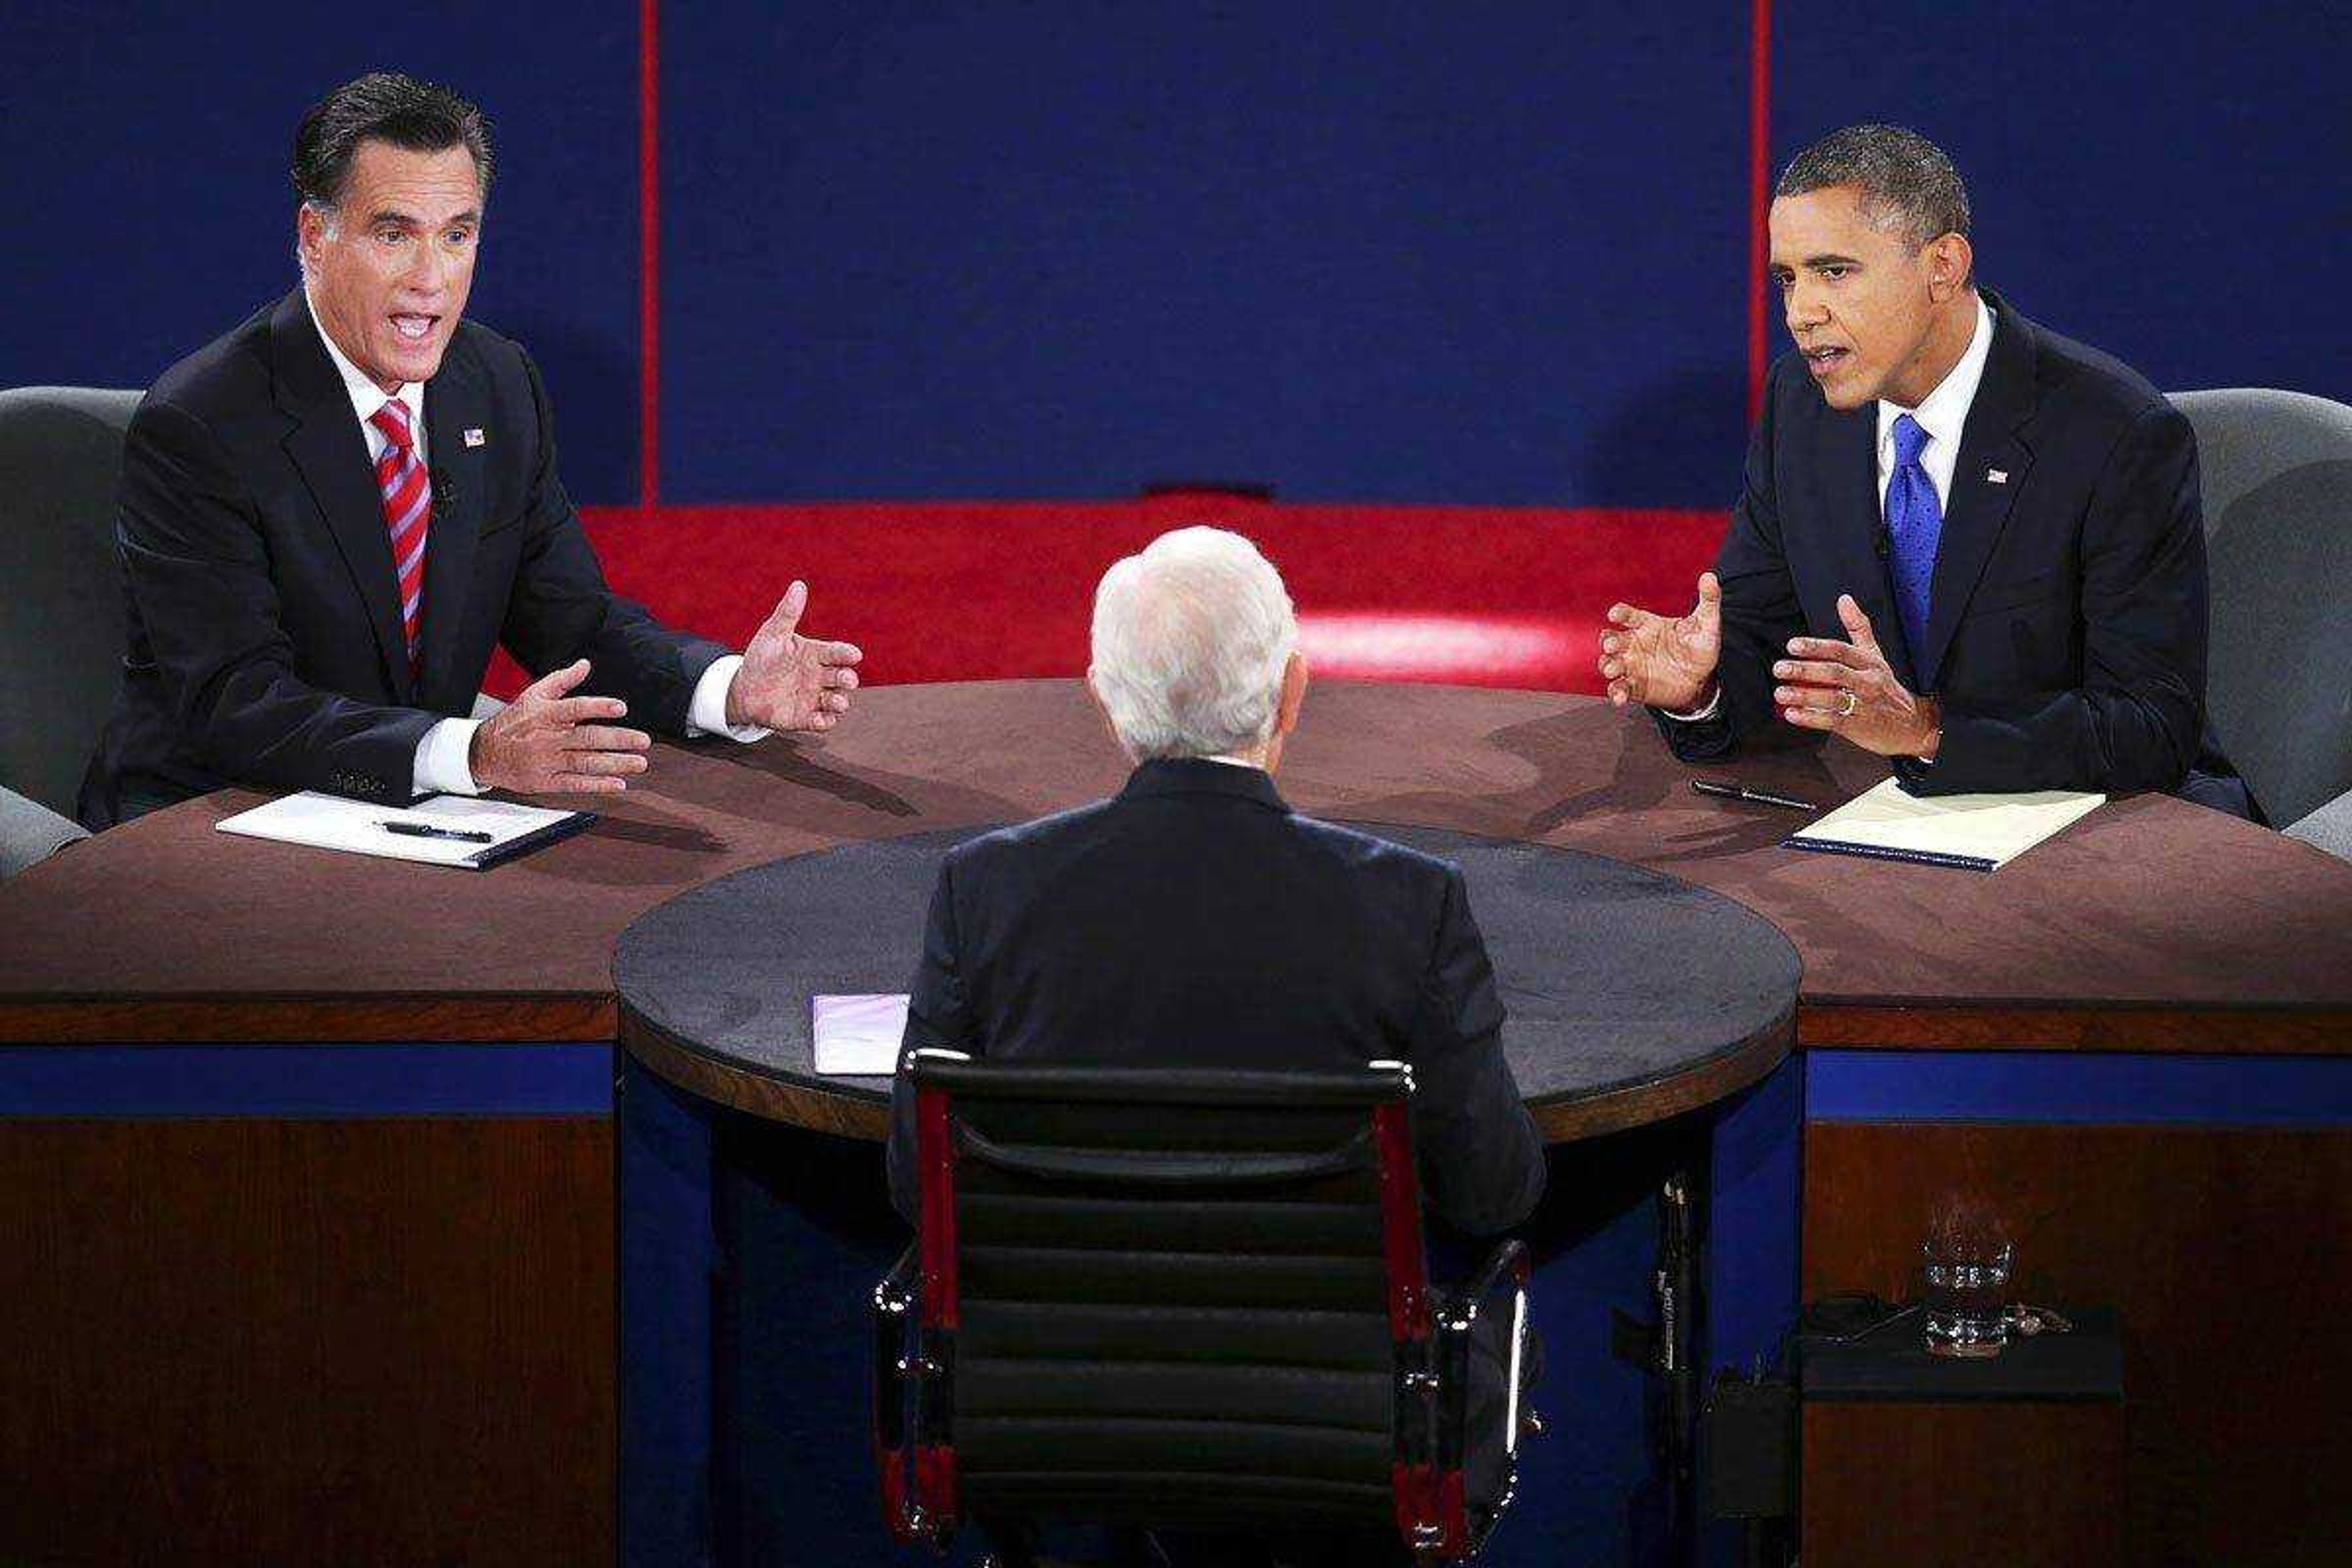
(1822,362)
(413,328)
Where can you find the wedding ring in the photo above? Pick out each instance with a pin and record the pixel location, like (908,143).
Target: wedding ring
(1852,702)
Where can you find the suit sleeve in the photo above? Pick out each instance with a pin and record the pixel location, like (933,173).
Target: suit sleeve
(1482,1164)
(2134,722)
(561,609)
(1760,612)
(936,1015)
(198,569)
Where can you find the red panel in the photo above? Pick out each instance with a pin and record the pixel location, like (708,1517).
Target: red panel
(993,590)
(1407,1266)
(935,1152)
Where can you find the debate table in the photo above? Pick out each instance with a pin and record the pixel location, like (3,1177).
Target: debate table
(306,1186)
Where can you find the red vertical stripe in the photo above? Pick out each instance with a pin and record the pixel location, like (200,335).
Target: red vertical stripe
(648,253)
(1759,202)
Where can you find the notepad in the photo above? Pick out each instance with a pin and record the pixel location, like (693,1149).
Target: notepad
(357,827)
(1972,832)
(858,1036)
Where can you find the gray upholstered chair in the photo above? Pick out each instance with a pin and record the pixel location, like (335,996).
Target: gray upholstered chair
(61,604)
(2278,533)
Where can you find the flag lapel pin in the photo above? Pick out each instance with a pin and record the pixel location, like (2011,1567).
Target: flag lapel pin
(1992,476)
(474,438)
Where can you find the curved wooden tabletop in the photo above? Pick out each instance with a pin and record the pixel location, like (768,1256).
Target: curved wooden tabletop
(2152,925)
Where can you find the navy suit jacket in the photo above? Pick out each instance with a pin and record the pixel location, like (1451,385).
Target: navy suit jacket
(1195,920)
(265,637)
(2066,631)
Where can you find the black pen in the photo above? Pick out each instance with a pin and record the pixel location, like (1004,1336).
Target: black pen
(1742,792)
(426,830)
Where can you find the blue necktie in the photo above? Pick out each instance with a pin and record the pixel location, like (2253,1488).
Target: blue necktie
(1914,521)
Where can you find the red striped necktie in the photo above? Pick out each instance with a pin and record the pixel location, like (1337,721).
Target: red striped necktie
(407,493)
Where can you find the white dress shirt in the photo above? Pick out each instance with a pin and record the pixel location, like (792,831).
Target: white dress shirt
(443,764)
(1943,413)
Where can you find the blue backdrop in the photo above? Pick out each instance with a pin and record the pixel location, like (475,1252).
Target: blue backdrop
(1384,252)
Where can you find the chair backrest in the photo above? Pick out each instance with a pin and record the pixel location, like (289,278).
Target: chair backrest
(2277,469)
(61,621)
(1174,1297)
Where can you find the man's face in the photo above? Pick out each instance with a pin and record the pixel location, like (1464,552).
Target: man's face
(390,272)
(1859,301)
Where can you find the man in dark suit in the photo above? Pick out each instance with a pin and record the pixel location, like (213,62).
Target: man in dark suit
(1965,542)
(332,515)
(1195,920)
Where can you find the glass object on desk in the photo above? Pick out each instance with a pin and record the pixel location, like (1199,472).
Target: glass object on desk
(1964,1262)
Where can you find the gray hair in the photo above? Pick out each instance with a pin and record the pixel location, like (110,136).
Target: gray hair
(1190,638)
(1908,187)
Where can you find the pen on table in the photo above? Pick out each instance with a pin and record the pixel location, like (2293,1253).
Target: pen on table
(1742,792)
(427,830)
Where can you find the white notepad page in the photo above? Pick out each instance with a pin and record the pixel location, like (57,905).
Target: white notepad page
(858,1036)
(356,826)
(1983,832)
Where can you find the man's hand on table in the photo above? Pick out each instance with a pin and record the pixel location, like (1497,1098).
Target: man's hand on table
(1665,663)
(1848,690)
(788,681)
(547,742)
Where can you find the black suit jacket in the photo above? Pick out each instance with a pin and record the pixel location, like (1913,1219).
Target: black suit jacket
(265,637)
(1195,920)
(2066,630)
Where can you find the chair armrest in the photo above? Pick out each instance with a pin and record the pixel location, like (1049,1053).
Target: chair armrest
(31,833)
(2328,828)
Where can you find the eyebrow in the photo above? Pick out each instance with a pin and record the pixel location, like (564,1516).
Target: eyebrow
(392,214)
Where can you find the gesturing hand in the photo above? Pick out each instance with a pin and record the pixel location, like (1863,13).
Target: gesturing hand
(1848,690)
(543,742)
(789,681)
(1661,662)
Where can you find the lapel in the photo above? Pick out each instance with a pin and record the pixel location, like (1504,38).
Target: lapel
(455,402)
(331,456)
(1977,508)
(1848,455)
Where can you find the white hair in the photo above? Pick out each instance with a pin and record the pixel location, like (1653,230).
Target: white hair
(1190,641)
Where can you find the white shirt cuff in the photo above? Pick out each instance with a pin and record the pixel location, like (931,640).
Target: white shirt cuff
(444,758)
(706,714)
(1697,715)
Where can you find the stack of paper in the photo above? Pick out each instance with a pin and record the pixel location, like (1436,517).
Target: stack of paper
(1974,832)
(442,830)
(858,1036)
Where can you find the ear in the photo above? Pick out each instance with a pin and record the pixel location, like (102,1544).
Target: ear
(1294,694)
(1102,711)
(1951,264)
(310,231)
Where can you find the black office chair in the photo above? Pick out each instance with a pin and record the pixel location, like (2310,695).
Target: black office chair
(60,604)
(1180,1300)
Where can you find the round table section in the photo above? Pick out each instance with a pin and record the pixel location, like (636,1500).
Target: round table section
(1631,997)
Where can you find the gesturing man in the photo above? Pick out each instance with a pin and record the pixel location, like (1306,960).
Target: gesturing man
(331,516)
(1964,543)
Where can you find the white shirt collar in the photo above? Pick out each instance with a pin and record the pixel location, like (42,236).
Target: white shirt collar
(1944,412)
(365,395)
(1233,761)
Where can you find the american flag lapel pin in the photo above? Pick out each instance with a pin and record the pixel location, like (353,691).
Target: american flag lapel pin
(1992,476)
(474,437)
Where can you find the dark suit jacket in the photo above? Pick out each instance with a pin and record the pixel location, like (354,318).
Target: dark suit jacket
(1195,920)
(265,638)
(2066,630)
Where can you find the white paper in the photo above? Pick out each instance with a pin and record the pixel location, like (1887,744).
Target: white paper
(1992,827)
(858,1036)
(356,826)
